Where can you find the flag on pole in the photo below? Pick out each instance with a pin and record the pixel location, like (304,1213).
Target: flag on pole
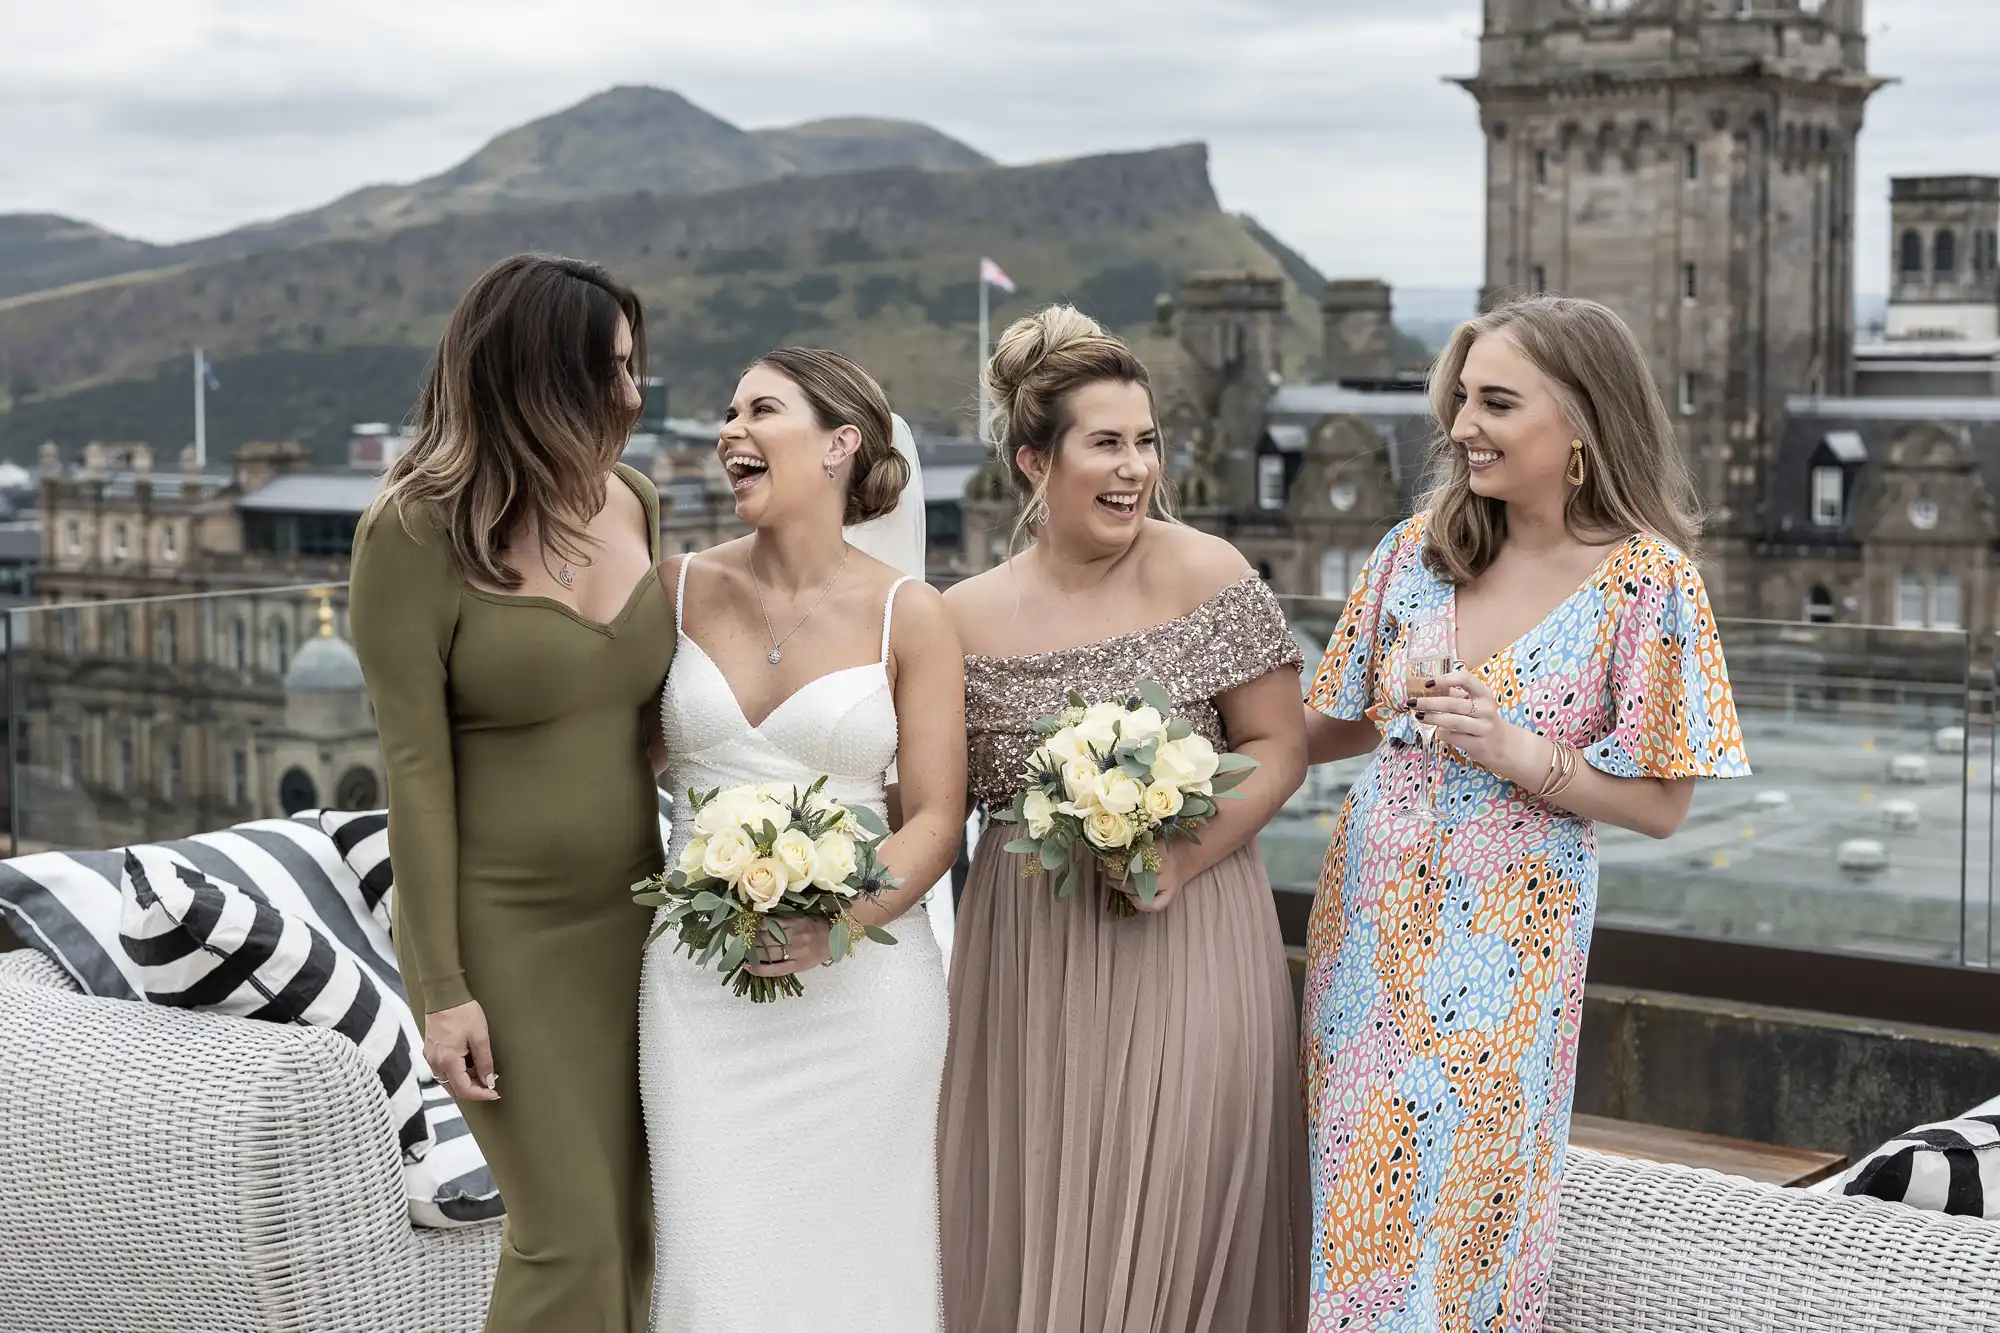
(993,275)
(208,373)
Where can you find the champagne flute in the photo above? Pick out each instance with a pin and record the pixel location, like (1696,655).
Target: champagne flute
(1429,651)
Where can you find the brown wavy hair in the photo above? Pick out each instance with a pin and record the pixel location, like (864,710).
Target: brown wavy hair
(840,393)
(1635,477)
(1039,361)
(520,419)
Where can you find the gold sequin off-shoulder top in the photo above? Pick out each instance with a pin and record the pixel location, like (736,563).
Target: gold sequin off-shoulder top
(1229,640)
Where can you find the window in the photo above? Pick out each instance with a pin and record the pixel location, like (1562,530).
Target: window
(1944,255)
(1911,261)
(239,644)
(169,544)
(170,773)
(1944,601)
(239,777)
(297,791)
(121,632)
(1688,285)
(1829,487)
(73,537)
(281,646)
(71,633)
(121,769)
(1687,393)
(1692,166)
(1909,600)
(1333,576)
(1270,481)
(120,544)
(1538,278)
(1541,166)
(1819,605)
(72,759)
(166,640)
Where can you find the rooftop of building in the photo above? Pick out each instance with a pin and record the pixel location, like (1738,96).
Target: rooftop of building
(314,493)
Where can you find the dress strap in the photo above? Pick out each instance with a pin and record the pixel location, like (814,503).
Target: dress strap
(889,611)
(681,591)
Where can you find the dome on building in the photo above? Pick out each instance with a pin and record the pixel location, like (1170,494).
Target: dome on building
(324,665)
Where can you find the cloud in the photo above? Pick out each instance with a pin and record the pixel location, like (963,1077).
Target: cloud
(1329,120)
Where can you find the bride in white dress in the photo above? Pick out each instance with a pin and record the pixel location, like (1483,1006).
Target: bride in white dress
(794,1143)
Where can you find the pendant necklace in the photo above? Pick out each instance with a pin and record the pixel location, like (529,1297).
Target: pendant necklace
(777,653)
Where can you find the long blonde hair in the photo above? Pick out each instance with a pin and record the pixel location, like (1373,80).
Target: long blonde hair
(521,418)
(1039,361)
(1635,479)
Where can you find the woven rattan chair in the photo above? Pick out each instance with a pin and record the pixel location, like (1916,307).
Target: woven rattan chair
(1666,1249)
(171,1171)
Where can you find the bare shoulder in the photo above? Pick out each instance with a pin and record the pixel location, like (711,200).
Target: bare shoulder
(922,626)
(1192,565)
(986,599)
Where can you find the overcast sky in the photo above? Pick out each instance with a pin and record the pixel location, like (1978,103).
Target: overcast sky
(1328,119)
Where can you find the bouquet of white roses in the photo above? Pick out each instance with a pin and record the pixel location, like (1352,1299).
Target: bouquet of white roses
(763,851)
(1121,779)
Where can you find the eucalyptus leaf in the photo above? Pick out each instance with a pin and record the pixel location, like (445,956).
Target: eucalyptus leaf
(838,943)
(777,929)
(1024,847)
(734,952)
(1076,700)
(1227,782)
(1233,763)
(1054,854)
(879,935)
(1139,770)
(1179,729)
(1156,695)
(706,901)
(870,821)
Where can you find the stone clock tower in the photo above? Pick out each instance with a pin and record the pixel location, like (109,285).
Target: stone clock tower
(1690,163)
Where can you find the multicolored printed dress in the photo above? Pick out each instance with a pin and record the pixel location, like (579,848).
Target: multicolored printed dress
(1445,982)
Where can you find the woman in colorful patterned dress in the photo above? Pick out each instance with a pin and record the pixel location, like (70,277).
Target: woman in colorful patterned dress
(1448,940)
(1121,1135)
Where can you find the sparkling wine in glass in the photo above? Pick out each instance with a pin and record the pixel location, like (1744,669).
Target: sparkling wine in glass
(1429,651)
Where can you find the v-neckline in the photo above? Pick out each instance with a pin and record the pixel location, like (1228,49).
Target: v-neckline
(758,726)
(1507,650)
(608,628)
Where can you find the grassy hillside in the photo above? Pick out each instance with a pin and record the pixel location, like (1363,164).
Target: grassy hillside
(620,141)
(880,265)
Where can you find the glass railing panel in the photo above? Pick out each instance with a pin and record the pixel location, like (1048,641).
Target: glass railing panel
(1856,833)
(142,720)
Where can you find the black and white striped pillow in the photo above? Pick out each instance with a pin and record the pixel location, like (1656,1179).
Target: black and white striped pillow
(202,944)
(452,1186)
(1949,1167)
(362,839)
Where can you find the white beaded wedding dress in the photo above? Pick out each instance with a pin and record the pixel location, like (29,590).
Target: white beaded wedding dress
(793,1143)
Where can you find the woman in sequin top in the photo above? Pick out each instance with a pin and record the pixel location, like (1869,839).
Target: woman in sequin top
(1122,1138)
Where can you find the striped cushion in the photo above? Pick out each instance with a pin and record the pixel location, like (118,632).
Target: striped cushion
(202,944)
(329,868)
(1949,1167)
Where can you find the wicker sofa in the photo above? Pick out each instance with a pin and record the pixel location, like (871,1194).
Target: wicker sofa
(162,1170)
(174,1171)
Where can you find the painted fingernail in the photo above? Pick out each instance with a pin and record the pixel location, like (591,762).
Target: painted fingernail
(1430,684)
(1420,717)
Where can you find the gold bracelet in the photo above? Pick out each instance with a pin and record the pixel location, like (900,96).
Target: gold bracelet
(1555,762)
(1566,777)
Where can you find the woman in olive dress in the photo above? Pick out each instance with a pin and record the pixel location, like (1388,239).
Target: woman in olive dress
(511,629)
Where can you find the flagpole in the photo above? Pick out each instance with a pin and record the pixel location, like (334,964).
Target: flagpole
(982,351)
(200,412)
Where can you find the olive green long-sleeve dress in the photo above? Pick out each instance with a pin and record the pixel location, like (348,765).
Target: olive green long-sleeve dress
(521,810)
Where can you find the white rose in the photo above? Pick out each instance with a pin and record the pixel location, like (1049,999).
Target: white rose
(692,856)
(1038,810)
(1064,746)
(1099,728)
(724,812)
(1186,763)
(834,862)
(1080,781)
(1119,793)
(1142,724)
(1108,829)
(795,852)
(763,883)
(766,811)
(727,853)
(1163,800)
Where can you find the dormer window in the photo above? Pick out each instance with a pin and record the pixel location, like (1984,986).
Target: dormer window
(1271,481)
(1829,496)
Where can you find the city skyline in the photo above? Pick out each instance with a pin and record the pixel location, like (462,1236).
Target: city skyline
(1330,124)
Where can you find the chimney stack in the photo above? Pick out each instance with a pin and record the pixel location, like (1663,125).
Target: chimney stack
(1359,336)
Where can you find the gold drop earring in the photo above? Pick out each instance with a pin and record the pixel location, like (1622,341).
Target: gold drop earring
(1575,472)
